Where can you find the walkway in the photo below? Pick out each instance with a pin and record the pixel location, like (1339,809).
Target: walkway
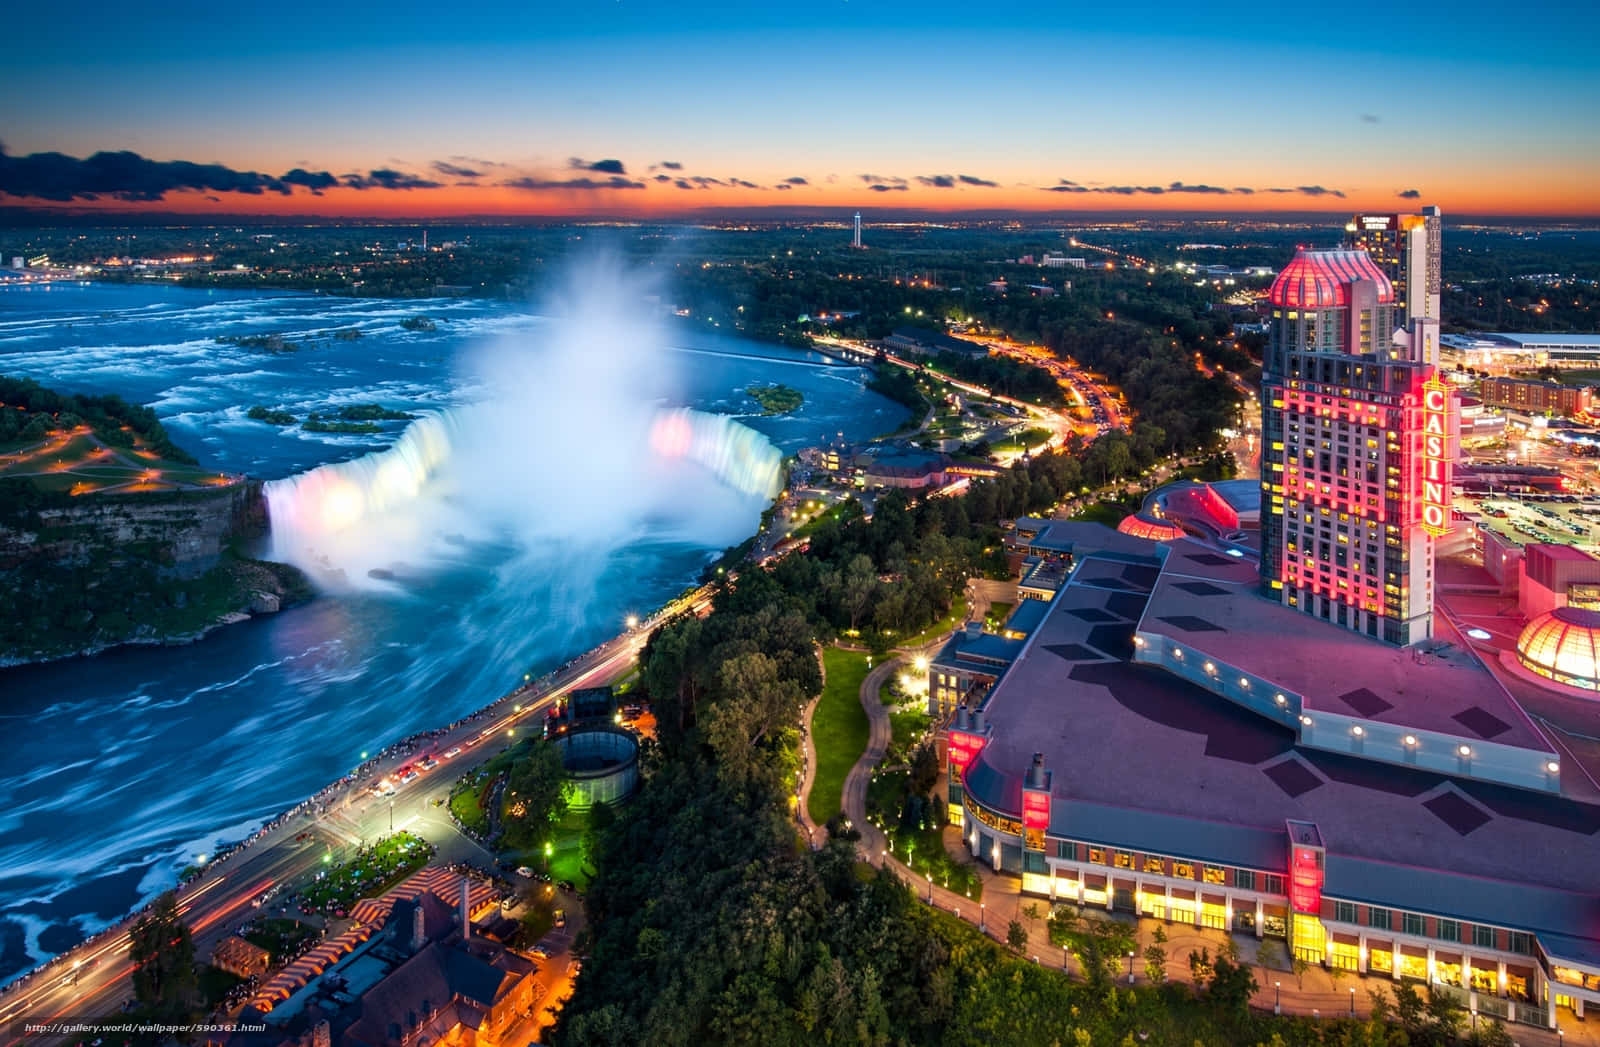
(1318,993)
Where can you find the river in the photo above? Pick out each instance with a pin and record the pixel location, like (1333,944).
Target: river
(120,768)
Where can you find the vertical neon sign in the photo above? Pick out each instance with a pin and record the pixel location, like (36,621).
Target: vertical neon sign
(1435,457)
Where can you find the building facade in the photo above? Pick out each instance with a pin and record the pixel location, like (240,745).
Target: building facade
(1406,249)
(1357,435)
(1526,394)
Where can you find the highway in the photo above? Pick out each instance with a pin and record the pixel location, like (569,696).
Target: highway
(93,979)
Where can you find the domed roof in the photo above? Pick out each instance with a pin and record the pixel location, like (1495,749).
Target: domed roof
(1145,525)
(1320,279)
(1564,645)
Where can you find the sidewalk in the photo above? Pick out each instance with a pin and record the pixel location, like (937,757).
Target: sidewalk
(1317,993)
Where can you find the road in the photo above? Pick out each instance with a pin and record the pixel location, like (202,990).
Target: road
(93,980)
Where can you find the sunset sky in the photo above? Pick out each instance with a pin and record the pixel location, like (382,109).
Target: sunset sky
(623,107)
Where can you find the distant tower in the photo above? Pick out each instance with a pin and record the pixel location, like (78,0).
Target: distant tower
(1407,249)
(424,241)
(856,242)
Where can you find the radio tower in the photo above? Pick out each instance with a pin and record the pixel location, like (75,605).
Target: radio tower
(856,241)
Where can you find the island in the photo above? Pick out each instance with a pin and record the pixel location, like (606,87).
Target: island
(272,416)
(776,399)
(354,418)
(111,534)
(419,323)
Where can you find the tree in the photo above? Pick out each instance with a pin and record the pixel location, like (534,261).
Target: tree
(1271,953)
(1155,958)
(1016,936)
(1231,987)
(924,769)
(1031,913)
(860,582)
(1299,966)
(162,952)
(535,794)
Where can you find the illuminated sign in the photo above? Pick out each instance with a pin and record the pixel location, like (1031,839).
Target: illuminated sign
(1305,881)
(1035,809)
(1435,457)
(964,748)
(1375,222)
(1035,818)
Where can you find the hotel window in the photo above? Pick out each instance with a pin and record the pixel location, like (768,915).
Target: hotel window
(1520,943)
(1097,856)
(1155,865)
(1379,919)
(1244,879)
(1183,870)
(1272,883)
(1449,930)
(1122,860)
(1067,850)
(1411,923)
(1483,937)
(1344,912)
(1214,874)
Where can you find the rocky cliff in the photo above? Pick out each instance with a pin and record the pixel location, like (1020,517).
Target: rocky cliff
(155,567)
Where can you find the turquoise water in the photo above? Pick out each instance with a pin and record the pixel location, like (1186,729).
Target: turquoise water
(123,766)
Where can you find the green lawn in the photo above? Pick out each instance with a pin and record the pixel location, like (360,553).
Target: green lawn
(941,628)
(374,870)
(1108,513)
(919,845)
(999,610)
(566,861)
(839,729)
(908,728)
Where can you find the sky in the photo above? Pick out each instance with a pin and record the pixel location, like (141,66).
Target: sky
(646,108)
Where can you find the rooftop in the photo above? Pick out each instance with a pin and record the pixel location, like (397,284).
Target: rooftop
(1320,279)
(1139,754)
(1217,609)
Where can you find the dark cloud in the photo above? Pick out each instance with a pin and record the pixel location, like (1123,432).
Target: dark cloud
(683,184)
(937,181)
(613,167)
(742,184)
(1317,190)
(796,180)
(783,185)
(671,165)
(124,175)
(1180,187)
(1369,118)
(316,181)
(975,180)
(879,187)
(1132,190)
(663,178)
(455,170)
(614,182)
(883,179)
(1065,185)
(387,178)
(1246,190)
(1409,194)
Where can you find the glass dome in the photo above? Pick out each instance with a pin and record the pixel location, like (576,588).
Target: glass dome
(1563,645)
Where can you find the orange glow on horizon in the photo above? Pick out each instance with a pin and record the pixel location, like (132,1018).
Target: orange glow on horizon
(1480,195)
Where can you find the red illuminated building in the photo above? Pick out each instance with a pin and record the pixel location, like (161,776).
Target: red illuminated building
(1358,438)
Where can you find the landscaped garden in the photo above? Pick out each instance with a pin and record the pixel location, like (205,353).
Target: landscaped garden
(375,868)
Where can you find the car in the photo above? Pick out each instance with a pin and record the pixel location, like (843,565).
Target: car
(524,871)
(453,752)
(540,951)
(561,917)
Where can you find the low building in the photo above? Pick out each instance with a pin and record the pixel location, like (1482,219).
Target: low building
(243,958)
(902,467)
(1024,618)
(1526,394)
(966,667)
(920,341)
(1554,576)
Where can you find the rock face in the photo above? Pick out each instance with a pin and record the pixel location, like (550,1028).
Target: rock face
(264,603)
(185,532)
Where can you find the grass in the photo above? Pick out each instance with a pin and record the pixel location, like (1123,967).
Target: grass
(941,628)
(839,729)
(373,871)
(919,846)
(466,804)
(999,610)
(908,727)
(214,984)
(1108,513)
(566,861)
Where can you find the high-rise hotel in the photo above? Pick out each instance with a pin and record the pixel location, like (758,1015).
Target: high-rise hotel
(1406,249)
(1357,437)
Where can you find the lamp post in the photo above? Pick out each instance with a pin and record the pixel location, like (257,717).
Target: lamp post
(1277,1006)
(983,912)
(1353,1009)
(1130,966)
(930,888)
(391,816)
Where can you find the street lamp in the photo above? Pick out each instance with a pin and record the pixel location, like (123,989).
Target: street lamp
(1353,1009)
(930,888)
(391,816)
(1277,1007)
(983,912)
(1130,966)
